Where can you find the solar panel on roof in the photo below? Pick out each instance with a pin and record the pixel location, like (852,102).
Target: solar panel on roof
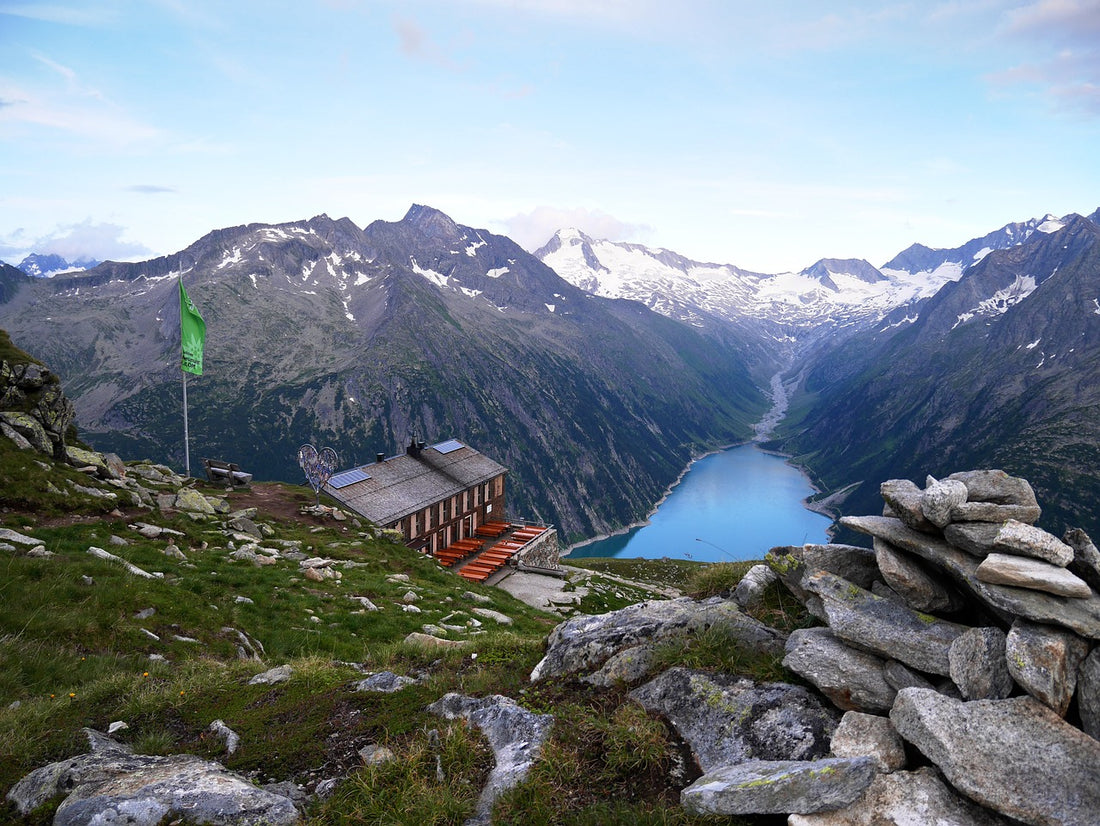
(449,446)
(348,477)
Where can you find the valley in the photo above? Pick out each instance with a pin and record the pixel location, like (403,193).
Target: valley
(595,371)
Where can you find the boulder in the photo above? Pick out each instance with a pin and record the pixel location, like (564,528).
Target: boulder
(905,576)
(1086,557)
(1014,756)
(111,784)
(870,735)
(940,498)
(917,798)
(1026,540)
(1079,615)
(1088,694)
(272,676)
(903,497)
(883,626)
(997,487)
(190,500)
(749,592)
(1044,661)
(779,786)
(1034,574)
(988,512)
(515,735)
(8,535)
(583,644)
(975,538)
(792,563)
(978,666)
(727,719)
(627,666)
(384,682)
(29,429)
(853,680)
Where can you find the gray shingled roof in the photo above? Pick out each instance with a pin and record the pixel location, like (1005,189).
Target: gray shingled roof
(404,484)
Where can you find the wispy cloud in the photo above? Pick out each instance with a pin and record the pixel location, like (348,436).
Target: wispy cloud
(84,14)
(533,229)
(89,239)
(1064,35)
(415,42)
(74,242)
(71,106)
(149,189)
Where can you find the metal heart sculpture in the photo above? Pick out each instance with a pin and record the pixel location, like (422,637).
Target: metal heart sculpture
(318,466)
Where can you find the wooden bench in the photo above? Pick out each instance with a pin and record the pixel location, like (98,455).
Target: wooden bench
(218,471)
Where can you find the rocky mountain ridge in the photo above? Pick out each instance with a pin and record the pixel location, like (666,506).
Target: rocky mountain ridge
(320,332)
(51,264)
(997,368)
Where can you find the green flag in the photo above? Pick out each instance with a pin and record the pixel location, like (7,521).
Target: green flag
(192,334)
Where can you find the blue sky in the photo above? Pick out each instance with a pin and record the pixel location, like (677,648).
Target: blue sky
(765,135)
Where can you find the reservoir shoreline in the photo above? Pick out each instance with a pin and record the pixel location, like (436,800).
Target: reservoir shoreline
(762,430)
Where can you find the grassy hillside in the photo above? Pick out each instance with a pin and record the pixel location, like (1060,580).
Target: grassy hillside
(83,642)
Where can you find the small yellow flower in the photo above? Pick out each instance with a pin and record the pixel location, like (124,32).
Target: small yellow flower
(52,696)
(145,674)
(72,695)
(181,693)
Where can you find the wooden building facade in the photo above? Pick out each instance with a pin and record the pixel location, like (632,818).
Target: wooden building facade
(434,495)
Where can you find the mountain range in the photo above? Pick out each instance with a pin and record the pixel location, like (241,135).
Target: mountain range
(593,369)
(51,264)
(320,332)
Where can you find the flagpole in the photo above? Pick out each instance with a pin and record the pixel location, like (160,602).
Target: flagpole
(186,440)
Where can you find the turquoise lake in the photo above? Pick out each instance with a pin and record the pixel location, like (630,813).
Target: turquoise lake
(732,505)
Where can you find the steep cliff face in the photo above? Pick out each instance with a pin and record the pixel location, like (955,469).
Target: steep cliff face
(320,332)
(997,370)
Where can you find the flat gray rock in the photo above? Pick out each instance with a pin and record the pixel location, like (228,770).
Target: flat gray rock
(779,787)
(975,538)
(1035,574)
(883,626)
(853,680)
(1079,615)
(384,682)
(979,668)
(918,798)
(1014,756)
(1026,540)
(727,719)
(110,784)
(279,674)
(1088,694)
(583,644)
(1044,661)
(997,487)
(908,579)
(515,735)
(869,735)
(988,512)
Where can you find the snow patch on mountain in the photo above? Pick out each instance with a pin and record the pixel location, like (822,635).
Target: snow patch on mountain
(844,291)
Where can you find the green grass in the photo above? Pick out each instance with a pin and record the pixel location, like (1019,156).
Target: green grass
(75,651)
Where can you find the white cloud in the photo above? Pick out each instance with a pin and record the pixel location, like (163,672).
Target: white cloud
(102,241)
(1064,37)
(533,229)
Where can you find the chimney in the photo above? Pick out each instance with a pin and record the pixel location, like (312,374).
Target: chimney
(414,448)
(379,457)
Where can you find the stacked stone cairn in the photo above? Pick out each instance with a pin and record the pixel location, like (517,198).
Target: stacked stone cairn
(964,647)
